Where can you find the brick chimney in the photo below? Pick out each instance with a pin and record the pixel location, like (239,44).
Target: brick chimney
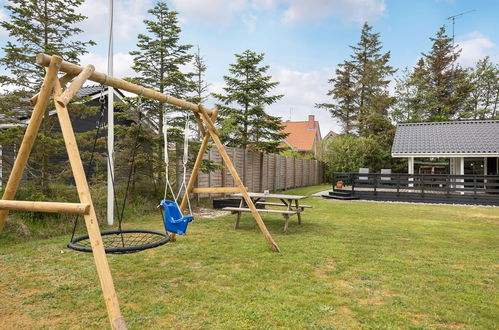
(311,121)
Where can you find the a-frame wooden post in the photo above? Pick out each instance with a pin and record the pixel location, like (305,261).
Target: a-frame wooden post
(101,263)
(211,131)
(30,135)
(52,85)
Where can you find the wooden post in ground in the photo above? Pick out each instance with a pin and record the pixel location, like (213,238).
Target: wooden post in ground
(199,160)
(117,321)
(30,134)
(214,135)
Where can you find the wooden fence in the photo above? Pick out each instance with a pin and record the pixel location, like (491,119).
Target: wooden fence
(430,188)
(261,171)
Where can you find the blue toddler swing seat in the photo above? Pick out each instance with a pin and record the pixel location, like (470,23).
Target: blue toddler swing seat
(175,222)
(173,219)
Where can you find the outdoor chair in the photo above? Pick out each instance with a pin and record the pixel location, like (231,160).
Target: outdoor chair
(386,174)
(363,171)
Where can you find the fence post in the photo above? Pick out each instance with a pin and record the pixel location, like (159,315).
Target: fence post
(422,184)
(448,185)
(398,184)
(474,186)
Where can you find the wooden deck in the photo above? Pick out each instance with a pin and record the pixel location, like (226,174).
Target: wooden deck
(448,189)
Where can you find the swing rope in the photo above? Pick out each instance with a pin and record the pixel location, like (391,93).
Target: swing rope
(185,160)
(174,221)
(166,158)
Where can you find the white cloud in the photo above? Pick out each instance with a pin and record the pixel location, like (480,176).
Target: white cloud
(295,11)
(264,4)
(302,90)
(347,10)
(122,63)
(476,46)
(214,11)
(128,18)
(250,22)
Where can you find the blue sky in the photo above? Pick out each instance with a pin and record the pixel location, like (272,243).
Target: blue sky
(303,40)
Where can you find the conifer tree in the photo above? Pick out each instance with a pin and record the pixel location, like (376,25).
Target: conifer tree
(360,88)
(158,61)
(371,74)
(343,92)
(200,85)
(245,123)
(47,26)
(483,100)
(440,87)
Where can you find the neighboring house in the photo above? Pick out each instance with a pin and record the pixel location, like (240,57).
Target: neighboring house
(329,136)
(304,136)
(83,123)
(472,147)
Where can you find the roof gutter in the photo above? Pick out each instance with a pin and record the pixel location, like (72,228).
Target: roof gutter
(444,155)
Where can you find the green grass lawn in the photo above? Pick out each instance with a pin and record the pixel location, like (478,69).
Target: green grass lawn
(349,265)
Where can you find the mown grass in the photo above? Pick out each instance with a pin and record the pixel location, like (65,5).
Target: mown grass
(349,265)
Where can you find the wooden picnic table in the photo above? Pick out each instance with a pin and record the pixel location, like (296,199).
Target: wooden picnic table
(290,202)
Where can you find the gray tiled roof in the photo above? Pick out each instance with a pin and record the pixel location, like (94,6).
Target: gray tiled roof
(94,89)
(88,90)
(458,137)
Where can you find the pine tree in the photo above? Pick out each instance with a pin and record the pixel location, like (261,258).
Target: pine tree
(47,26)
(411,103)
(483,99)
(360,88)
(371,74)
(442,83)
(343,92)
(158,62)
(200,85)
(34,27)
(245,123)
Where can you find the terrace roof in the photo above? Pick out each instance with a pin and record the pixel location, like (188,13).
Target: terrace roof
(471,138)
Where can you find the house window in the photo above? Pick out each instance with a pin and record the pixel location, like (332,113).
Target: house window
(474,166)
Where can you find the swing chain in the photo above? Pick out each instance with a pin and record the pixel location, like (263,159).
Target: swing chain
(98,127)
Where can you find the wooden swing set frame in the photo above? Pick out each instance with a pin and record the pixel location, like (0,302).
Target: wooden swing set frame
(53,86)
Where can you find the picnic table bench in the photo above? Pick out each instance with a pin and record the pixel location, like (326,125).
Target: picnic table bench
(290,202)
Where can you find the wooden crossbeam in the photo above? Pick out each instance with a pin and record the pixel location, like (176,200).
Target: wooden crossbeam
(75,208)
(101,78)
(63,80)
(71,91)
(216,190)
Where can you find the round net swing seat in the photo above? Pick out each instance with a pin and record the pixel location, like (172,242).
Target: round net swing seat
(123,241)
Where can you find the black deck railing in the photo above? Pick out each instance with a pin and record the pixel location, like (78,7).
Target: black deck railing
(470,189)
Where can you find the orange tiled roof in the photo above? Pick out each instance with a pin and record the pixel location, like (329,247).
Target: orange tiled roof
(301,134)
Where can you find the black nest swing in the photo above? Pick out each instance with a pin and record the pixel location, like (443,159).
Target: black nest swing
(123,241)
(120,241)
